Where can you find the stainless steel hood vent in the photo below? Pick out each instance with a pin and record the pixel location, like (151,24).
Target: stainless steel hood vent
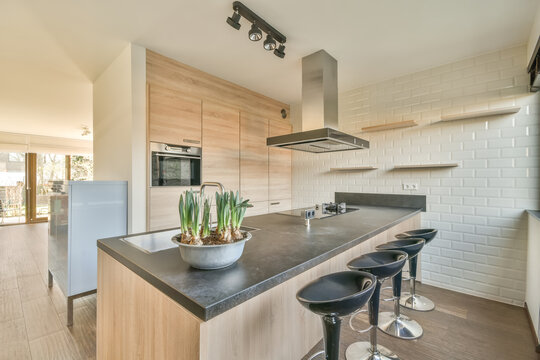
(319,111)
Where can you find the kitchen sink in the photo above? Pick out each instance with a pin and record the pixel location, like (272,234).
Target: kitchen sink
(159,241)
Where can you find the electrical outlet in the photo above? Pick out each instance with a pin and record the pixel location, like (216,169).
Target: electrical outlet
(410,186)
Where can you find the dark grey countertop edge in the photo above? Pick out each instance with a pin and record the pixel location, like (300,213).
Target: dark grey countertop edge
(216,309)
(535,213)
(181,299)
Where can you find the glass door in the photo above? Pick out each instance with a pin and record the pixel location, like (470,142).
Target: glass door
(28,180)
(47,175)
(12,188)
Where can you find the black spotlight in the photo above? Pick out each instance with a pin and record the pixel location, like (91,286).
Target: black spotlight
(269,43)
(234,20)
(255,33)
(280,51)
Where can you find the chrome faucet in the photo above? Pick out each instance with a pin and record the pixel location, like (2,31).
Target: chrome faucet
(212,183)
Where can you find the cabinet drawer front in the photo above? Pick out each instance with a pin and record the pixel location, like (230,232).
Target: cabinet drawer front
(259,208)
(279,205)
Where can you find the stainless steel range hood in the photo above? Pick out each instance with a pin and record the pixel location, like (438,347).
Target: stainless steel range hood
(319,111)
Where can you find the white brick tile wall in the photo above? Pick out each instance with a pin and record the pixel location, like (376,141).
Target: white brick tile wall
(478,207)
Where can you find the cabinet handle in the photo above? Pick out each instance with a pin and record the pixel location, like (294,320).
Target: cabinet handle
(275,203)
(189,141)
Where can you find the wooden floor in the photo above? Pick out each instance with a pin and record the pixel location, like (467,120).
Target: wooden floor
(32,317)
(462,327)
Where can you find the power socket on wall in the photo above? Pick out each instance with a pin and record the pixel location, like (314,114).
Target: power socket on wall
(410,186)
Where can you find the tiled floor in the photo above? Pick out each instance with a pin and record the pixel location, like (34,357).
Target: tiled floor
(32,316)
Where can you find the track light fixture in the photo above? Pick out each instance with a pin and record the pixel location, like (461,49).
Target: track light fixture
(269,44)
(280,51)
(255,33)
(257,28)
(234,20)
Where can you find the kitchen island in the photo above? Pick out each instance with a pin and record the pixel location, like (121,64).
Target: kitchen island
(152,305)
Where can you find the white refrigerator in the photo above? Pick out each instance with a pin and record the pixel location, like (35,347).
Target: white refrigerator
(81,213)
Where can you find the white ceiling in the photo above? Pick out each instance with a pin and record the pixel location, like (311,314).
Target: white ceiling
(372,40)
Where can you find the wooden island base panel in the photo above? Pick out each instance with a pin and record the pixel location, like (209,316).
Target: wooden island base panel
(135,320)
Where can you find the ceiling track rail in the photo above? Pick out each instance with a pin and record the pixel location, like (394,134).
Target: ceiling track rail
(253,18)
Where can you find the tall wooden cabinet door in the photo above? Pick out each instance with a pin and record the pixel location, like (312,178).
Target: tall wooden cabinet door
(279,163)
(253,157)
(174,118)
(221,145)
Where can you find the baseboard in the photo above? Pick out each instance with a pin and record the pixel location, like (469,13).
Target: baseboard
(533,331)
(472,293)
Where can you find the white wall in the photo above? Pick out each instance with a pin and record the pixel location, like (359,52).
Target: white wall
(120,129)
(478,207)
(532,295)
(535,34)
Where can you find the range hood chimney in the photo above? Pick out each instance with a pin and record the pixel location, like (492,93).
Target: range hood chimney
(319,111)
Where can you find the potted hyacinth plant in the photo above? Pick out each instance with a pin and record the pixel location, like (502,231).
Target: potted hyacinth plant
(202,245)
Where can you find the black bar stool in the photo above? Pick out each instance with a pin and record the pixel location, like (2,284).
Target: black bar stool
(334,296)
(394,323)
(382,264)
(411,300)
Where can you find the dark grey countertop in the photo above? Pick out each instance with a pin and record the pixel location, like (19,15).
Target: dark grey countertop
(535,213)
(280,250)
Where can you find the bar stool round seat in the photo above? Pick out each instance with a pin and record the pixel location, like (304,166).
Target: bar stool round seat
(412,300)
(382,264)
(334,296)
(394,323)
(426,234)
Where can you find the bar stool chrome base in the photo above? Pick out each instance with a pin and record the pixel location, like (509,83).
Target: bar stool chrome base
(362,351)
(416,302)
(401,326)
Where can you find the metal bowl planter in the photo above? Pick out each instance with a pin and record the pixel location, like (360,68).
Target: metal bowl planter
(212,257)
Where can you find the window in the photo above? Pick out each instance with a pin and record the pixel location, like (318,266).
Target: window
(81,167)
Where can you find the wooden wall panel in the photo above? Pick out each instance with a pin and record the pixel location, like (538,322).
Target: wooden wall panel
(136,321)
(175,75)
(221,145)
(253,157)
(170,81)
(175,118)
(279,164)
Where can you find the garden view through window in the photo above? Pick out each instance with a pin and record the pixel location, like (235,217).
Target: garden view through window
(47,176)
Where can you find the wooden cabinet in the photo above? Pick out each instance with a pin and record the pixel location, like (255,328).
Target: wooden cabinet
(253,157)
(259,208)
(279,164)
(279,205)
(174,118)
(221,145)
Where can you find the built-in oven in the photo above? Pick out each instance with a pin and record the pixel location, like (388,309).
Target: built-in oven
(175,165)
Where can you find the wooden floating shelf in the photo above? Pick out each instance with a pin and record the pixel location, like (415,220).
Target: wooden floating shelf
(426,166)
(354,168)
(478,114)
(395,125)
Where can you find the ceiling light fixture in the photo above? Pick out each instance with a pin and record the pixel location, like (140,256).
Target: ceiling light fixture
(280,51)
(85,130)
(269,44)
(257,28)
(255,33)
(234,20)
